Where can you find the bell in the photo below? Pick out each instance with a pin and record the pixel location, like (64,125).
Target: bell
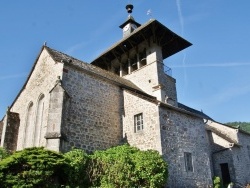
(129,8)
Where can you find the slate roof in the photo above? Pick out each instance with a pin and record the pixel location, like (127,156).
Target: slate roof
(94,70)
(61,57)
(170,42)
(199,113)
(71,61)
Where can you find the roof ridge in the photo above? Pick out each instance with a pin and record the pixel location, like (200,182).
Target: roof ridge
(65,58)
(190,109)
(54,50)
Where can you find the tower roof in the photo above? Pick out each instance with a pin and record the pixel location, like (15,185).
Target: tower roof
(170,42)
(130,20)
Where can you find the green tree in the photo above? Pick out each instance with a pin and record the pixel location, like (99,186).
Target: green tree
(245,126)
(31,167)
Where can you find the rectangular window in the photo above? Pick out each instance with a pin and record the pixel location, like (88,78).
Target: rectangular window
(138,121)
(188,161)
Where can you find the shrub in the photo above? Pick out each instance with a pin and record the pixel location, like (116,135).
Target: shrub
(121,166)
(125,166)
(217,182)
(3,153)
(32,167)
(150,168)
(75,168)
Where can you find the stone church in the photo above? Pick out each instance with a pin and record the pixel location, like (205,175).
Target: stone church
(126,94)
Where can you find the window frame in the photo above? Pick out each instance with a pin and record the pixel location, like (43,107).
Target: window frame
(138,122)
(39,120)
(188,159)
(28,129)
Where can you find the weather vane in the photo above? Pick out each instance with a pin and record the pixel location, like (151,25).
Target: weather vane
(149,13)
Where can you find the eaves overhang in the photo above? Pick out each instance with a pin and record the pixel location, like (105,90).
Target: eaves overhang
(170,42)
(130,20)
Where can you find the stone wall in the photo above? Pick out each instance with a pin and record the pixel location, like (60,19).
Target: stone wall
(185,133)
(152,79)
(225,151)
(146,78)
(42,80)
(222,157)
(11,134)
(53,134)
(169,87)
(241,157)
(92,119)
(149,137)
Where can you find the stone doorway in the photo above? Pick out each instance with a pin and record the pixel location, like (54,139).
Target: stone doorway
(225,174)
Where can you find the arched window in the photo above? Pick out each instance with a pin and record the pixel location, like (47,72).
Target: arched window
(39,120)
(28,134)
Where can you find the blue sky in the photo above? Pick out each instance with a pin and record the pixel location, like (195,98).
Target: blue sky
(213,75)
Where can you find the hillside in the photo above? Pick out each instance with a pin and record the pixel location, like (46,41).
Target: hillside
(243,125)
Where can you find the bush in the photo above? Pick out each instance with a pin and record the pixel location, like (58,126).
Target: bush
(121,166)
(3,153)
(217,182)
(125,166)
(32,167)
(76,164)
(150,168)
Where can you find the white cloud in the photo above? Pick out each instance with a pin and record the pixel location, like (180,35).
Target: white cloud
(181,20)
(229,64)
(225,94)
(76,47)
(13,76)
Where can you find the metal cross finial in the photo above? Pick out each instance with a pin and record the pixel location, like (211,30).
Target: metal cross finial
(149,13)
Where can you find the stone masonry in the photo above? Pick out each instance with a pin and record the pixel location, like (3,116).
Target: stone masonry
(149,137)
(124,96)
(11,133)
(230,146)
(41,81)
(181,133)
(92,119)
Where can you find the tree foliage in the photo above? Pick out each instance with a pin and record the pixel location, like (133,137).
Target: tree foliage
(125,166)
(217,182)
(121,166)
(245,126)
(75,168)
(3,153)
(32,167)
